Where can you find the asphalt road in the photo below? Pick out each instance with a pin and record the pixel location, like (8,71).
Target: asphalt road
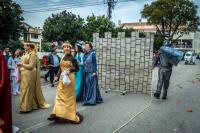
(165,116)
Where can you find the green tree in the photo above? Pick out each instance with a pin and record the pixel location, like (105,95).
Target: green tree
(46,46)
(120,29)
(98,24)
(63,26)
(10,22)
(158,41)
(171,17)
(13,45)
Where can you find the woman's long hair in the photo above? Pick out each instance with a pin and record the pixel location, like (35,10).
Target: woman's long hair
(33,46)
(13,53)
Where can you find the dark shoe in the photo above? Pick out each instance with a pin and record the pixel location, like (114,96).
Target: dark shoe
(51,118)
(61,120)
(157,95)
(52,85)
(164,98)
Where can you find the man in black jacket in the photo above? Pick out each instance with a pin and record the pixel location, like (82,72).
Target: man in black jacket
(53,63)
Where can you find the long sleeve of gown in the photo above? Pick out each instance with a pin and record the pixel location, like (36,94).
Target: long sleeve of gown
(75,67)
(32,62)
(94,62)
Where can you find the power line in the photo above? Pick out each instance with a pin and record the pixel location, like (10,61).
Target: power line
(62,8)
(111,5)
(69,7)
(63,5)
(56,4)
(61,1)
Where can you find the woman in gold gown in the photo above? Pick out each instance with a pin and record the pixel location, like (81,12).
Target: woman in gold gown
(31,96)
(65,102)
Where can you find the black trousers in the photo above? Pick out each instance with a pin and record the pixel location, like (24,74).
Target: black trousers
(52,72)
(164,75)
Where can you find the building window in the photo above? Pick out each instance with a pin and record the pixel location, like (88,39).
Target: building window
(34,36)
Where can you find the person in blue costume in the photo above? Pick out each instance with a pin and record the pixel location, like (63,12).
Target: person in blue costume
(79,75)
(91,94)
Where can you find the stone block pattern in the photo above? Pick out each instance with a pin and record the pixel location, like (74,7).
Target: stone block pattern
(124,64)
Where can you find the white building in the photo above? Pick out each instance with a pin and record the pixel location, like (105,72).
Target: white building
(188,41)
(141,26)
(32,35)
(196,43)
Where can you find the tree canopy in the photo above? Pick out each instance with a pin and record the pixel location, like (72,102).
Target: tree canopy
(10,22)
(98,24)
(67,26)
(63,26)
(172,16)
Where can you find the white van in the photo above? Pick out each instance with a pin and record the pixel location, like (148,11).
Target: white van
(189,57)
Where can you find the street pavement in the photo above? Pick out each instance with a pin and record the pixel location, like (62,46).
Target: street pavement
(163,116)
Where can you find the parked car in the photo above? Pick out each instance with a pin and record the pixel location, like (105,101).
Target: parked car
(189,57)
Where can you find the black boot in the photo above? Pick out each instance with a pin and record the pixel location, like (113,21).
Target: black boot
(52,85)
(164,96)
(157,95)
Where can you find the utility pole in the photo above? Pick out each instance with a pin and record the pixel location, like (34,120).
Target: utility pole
(111,5)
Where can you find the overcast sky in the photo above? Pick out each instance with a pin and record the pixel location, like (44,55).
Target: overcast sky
(125,11)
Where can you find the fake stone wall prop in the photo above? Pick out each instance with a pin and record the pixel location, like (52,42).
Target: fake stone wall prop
(124,64)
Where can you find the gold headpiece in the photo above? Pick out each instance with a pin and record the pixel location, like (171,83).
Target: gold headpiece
(32,44)
(28,43)
(66,44)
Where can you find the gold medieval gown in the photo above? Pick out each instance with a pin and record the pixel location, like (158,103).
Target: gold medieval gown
(31,96)
(65,101)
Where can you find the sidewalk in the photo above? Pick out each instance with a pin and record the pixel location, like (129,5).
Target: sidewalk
(171,116)
(161,117)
